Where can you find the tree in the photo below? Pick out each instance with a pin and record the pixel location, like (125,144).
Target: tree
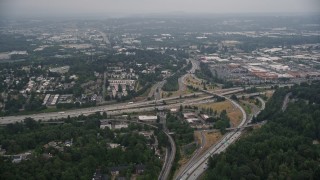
(234,97)
(119,88)
(31,124)
(77,90)
(107,83)
(204,86)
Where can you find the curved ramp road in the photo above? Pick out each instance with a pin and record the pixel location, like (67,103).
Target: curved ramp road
(119,108)
(171,153)
(198,166)
(201,165)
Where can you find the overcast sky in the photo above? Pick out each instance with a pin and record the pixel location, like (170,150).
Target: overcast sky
(25,8)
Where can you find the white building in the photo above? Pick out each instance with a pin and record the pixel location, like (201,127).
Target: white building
(192,120)
(120,126)
(112,125)
(113,145)
(55,99)
(122,82)
(148,118)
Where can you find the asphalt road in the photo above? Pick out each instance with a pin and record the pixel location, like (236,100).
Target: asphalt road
(263,103)
(198,166)
(115,108)
(201,165)
(170,152)
(110,109)
(182,86)
(156,90)
(193,158)
(181,80)
(195,66)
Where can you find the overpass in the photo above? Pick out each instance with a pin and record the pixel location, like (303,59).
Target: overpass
(246,126)
(223,92)
(112,109)
(198,166)
(250,95)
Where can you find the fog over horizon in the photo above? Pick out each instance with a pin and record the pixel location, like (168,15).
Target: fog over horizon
(40,8)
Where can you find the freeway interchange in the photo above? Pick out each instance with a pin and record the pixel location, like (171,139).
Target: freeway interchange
(197,165)
(119,108)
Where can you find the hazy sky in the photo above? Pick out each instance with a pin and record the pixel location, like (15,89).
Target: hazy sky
(86,7)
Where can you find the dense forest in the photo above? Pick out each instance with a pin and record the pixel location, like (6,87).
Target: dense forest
(287,147)
(87,150)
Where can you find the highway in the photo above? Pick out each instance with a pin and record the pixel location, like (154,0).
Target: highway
(263,103)
(156,90)
(250,95)
(170,152)
(90,110)
(198,166)
(118,108)
(272,85)
(182,86)
(195,65)
(194,156)
(181,80)
(110,109)
(169,158)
